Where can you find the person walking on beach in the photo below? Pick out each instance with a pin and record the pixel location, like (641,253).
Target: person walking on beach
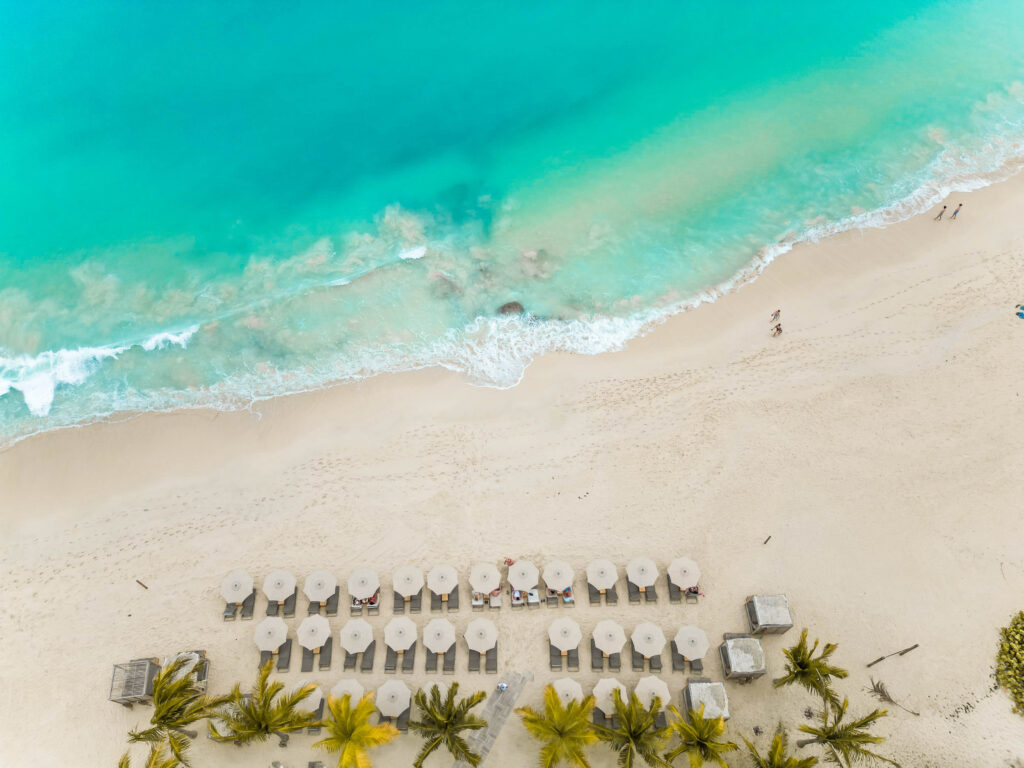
(777,330)
(939,217)
(775,315)
(951,218)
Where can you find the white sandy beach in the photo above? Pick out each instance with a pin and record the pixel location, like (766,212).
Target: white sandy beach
(878,442)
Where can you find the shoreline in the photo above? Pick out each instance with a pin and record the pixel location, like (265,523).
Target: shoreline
(875,442)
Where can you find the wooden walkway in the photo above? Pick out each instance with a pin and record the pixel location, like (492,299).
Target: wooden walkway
(497,708)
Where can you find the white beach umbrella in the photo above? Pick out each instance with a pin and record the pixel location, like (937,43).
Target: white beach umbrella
(348,687)
(312,701)
(642,571)
(691,642)
(609,637)
(270,633)
(278,586)
(602,574)
(356,635)
(442,579)
(564,634)
(363,583)
(439,635)
(684,572)
(649,688)
(523,575)
(400,633)
(568,689)
(484,577)
(558,575)
(408,580)
(481,635)
(648,639)
(393,698)
(313,632)
(320,586)
(236,587)
(604,692)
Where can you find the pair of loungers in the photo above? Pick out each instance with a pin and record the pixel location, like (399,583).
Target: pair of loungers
(413,603)
(568,659)
(479,600)
(490,661)
(330,605)
(285,609)
(650,594)
(447,660)
(401,722)
(451,601)
(325,653)
(244,609)
(611,596)
(284,656)
(408,660)
(676,595)
(357,606)
(679,661)
(352,659)
(639,660)
(598,658)
(560,598)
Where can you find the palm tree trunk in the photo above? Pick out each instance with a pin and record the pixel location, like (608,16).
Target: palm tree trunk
(283,739)
(805,742)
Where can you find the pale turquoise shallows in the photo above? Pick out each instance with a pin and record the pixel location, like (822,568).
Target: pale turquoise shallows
(203,204)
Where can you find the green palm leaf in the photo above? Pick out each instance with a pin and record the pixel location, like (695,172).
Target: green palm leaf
(778,754)
(700,738)
(845,743)
(443,722)
(814,673)
(350,733)
(636,736)
(264,711)
(564,730)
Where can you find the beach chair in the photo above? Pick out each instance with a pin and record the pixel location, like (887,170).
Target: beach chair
(351,660)
(435,602)
(453,599)
(448,667)
(249,606)
(230,611)
(474,661)
(517,602)
(614,662)
(409,659)
(678,661)
(651,594)
(596,657)
(675,594)
(573,657)
(634,592)
(314,764)
(416,603)
(692,597)
(696,666)
(533,599)
(402,723)
(391,660)
(325,654)
(611,596)
(600,719)
(273,609)
(555,658)
(594,593)
(265,656)
(638,658)
(661,720)
(355,608)
(319,713)
(289,604)
(569,598)
(655,662)
(399,603)
(368,656)
(552,598)
(492,661)
(494,601)
(431,663)
(331,605)
(313,608)
(307,660)
(284,656)
(373,607)
(476,601)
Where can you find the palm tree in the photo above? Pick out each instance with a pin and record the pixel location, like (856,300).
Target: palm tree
(254,716)
(812,672)
(777,756)
(699,738)
(635,735)
(178,702)
(350,732)
(156,759)
(444,721)
(845,743)
(564,729)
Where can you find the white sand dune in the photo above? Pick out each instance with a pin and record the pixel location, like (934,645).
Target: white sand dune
(878,442)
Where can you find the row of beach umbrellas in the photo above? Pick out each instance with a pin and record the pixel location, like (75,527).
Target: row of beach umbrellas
(408,580)
(647,689)
(355,637)
(648,638)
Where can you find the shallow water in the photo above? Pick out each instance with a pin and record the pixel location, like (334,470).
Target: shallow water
(207,205)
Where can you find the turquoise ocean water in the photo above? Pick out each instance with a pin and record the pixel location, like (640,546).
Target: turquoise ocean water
(207,204)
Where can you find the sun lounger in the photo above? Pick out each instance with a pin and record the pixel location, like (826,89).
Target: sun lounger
(402,724)
(391,660)
(614,662)
(594,593)
(574,660)
(265,656)
(435,602)
(692,597)
(600,719)
(678,662)
(351,660)
(409,659)
(284,656)
(596,657)
(655,662)
(476,601)
(661,721)
(552,598)
(230,611)
(307,660)
(474,661)
(555,656)
(611,596)
(494,601)
(453,599)
(638,658)
(368,656)
(696,666)
(533,599)
(289,604)
(517,602)
(492,661)
(651,594)
(319,712)
(332,602)
(416,603)
(273,609)
(384,718)
(569,598)
(373,607)
(314,764)
(399,603)
(431,663)
(449,661)
(325,654)
(313,608)
(675,594)
(634,592)
(248,606)
(356,608)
